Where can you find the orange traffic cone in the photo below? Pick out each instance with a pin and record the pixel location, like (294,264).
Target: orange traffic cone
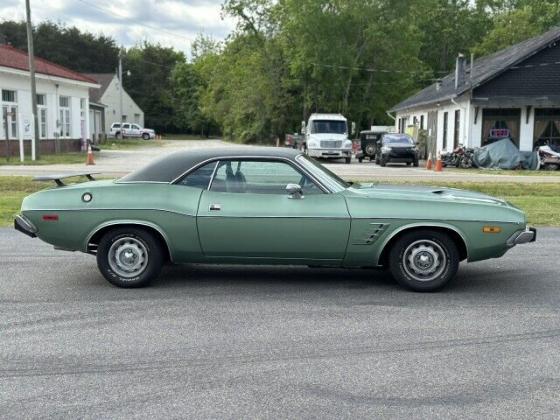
(439,164)
(429,162)
(89,159)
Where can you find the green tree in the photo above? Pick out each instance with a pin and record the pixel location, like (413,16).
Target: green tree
(148,68)
(67,46)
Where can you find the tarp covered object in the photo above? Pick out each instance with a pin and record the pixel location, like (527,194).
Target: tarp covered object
(503,154)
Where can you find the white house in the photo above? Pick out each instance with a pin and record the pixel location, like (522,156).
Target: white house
(62,99)
(513,93)
(109,96)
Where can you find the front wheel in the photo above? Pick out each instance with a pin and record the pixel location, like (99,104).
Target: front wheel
(146,136)
(348,160)
(383,161)
(424,260)
(129,257)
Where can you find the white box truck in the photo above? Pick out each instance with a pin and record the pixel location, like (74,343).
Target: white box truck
(326,136)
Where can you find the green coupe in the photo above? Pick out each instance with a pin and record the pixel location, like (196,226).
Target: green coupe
(257,205)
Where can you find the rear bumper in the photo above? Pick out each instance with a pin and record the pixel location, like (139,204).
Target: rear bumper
(23,225)
(523,237)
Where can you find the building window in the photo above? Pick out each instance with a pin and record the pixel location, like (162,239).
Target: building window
(498,124)
(43,122)
(456,128)
(64,101)
(137,118)
(421,122)
(547,127)
(42,115)
(9,96)
(123,118)
(9,114)
(445,128)
(64,116)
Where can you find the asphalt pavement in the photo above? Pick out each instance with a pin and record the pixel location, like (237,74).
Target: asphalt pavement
(120,162)
(278,342)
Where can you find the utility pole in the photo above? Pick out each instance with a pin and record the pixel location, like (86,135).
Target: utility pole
(120,92)
(36,146)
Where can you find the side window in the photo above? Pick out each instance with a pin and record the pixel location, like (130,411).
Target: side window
(136,127)
(126,126)
(259,177)
(200,178)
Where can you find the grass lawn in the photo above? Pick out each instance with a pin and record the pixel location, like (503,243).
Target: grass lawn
(541,202)
(185,137)
(74,157)
(118,144)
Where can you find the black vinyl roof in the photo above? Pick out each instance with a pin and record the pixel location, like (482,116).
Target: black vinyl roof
(172,166)
(484,69)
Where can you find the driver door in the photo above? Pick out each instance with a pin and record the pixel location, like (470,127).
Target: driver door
(247,213)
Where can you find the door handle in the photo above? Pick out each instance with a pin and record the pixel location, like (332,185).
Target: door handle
(215,207)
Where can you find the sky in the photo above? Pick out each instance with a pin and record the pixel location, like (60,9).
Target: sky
(170,22)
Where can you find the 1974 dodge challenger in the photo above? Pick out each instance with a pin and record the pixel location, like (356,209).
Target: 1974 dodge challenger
(258,205)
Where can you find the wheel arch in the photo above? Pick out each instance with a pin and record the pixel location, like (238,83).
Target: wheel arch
(456,235)
(96,234)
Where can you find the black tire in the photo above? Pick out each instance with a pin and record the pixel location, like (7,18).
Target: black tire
(408,163)
(118,135)
(146,136)
(421,241)
(415,163)
(377,162)
(348,160)
(360,160)
(383,162)
(139,238)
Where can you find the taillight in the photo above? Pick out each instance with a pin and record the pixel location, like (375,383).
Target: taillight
(50,217)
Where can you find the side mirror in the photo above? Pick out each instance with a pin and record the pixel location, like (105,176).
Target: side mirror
(294,191)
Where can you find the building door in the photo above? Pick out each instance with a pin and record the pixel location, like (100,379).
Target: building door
(500,123)
(432,133)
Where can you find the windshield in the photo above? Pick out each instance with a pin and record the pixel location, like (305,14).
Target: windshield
(332,181)
(328,126)
(397,139)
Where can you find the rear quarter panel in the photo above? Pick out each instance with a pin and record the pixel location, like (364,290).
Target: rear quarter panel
(171,209)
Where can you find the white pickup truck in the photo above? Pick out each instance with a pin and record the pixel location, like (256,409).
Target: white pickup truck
(326,136)
(131,130)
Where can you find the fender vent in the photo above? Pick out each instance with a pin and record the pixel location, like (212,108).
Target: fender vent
(371,235)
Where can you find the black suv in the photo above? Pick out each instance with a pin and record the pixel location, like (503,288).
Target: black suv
(397,148)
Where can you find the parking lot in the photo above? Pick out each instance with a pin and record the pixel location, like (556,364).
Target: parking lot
(268,342)
(120,162)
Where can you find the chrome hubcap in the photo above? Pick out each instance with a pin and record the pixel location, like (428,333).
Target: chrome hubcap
(128,257)
(424,260)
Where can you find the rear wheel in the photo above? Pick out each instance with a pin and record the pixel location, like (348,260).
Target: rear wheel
(348,160)
(146,136)
(129,257)
(383,161)
(415,163)
(424,260)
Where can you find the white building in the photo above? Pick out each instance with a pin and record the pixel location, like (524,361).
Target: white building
(62,98)
(513,93)
(109,96)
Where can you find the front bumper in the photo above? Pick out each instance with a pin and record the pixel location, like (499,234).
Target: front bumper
(523,237)
(329,153)
(23,225)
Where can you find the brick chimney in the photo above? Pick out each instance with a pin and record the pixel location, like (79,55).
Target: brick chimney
(460,71)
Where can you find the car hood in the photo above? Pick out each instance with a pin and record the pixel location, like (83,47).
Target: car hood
(426,193)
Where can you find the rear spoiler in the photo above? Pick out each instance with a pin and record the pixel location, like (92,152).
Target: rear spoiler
(59,177)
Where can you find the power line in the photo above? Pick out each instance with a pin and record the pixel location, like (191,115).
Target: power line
(109,13)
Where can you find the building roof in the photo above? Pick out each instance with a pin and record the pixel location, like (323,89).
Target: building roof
(172,166)
(483,69)
(104,79)
(17,59)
